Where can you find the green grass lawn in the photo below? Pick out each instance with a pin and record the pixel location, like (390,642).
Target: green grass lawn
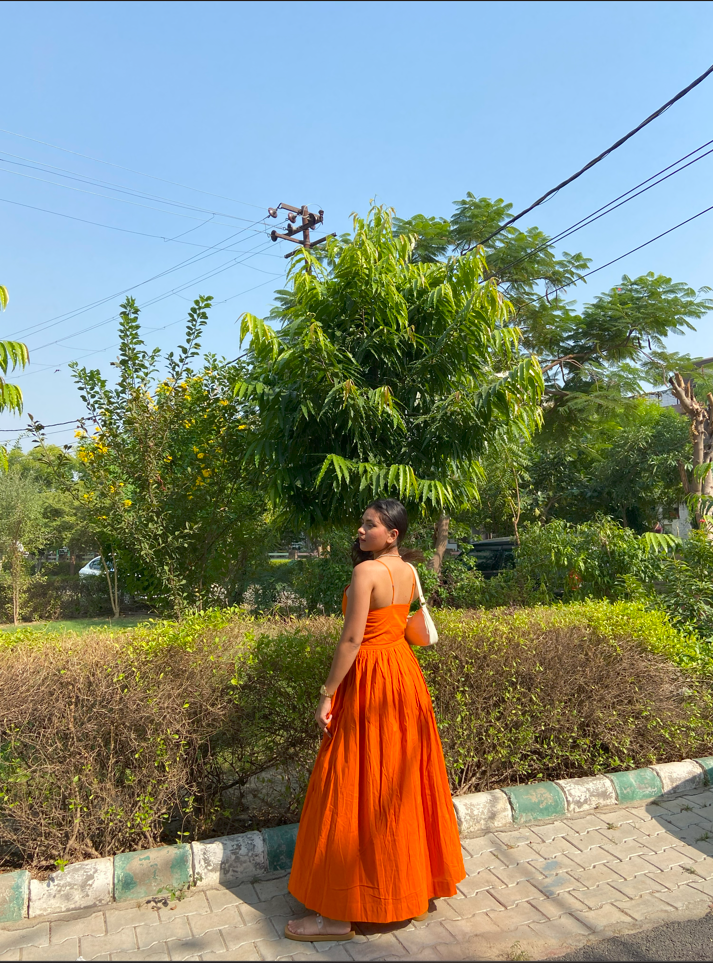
(78,625)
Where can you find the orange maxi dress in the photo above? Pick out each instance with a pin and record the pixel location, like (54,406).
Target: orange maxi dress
(378,836)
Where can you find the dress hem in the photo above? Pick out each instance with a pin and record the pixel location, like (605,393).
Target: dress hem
(359,914)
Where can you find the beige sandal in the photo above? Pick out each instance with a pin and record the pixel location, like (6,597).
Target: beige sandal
(318,937)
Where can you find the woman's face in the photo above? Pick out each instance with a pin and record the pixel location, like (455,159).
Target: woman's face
(373,535)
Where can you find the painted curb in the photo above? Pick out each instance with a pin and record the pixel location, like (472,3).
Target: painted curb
(226,861)
(536,801)
(14,896)
(637,785)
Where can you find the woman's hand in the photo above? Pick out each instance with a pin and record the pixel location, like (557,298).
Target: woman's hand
(323,715)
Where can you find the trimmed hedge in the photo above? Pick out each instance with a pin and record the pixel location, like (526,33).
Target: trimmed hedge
(115,741)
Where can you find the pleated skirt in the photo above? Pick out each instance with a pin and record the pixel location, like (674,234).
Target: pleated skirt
(378,836)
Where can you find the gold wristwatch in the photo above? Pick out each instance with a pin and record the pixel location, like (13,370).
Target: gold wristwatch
(323,692)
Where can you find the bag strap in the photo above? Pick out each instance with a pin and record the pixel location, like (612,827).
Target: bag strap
(421,599)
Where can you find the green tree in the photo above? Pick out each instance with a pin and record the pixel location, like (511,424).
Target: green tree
(13,354)
(388,375)
(22,529)
(591,359)
(161,478)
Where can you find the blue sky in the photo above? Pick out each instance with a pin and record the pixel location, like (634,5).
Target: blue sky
(328,104)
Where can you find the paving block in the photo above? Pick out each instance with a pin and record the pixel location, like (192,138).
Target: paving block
(230,859)
(540,800)
(81,885)
(479,812)
(588,792)
(152,872)
(280,846)
(635,785)
(680,777)
(14,896)
(706,764)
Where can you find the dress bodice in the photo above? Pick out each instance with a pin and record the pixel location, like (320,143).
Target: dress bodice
(384,626)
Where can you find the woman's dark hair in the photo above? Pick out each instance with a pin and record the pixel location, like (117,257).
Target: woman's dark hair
(393,514)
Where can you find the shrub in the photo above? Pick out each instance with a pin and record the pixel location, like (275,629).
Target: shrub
(57,597)
(583,561)
(191,729)
(685,585)
(564,691)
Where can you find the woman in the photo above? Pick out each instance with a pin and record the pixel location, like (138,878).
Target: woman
(378,836)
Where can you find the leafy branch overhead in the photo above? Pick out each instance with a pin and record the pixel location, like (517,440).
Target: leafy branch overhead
(592,358)
(386,374)
(13,354)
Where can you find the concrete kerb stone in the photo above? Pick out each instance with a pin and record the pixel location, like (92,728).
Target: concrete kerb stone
(536,801)
(481,812)
(152,872)
(680,777)
(706,765)
(79,886)
(280,846)
(229,860)
(587,792)
(637,785)
(14,896)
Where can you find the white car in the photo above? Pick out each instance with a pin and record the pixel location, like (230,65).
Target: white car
(94,567)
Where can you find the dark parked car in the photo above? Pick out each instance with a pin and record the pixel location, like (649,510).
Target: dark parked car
(493,555)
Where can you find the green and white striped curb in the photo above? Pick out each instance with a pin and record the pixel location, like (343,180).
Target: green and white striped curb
(170,870)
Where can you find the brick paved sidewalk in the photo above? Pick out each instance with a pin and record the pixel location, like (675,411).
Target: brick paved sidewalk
(531,893)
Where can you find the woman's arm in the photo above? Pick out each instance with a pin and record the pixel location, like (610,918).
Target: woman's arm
(358,601)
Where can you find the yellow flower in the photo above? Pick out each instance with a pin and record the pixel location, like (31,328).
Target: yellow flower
(241,427)
(200,454)
(127,502)
(79,433)
(206,472)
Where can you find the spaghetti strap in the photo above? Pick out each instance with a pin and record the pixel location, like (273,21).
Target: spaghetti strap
(393,587)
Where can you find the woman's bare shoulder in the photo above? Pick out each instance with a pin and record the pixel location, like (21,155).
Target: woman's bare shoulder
(366,570)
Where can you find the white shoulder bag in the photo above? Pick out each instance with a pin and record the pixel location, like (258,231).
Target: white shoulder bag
(420,627)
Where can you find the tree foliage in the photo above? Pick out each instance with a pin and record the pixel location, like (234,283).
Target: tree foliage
(161,479)
(387,375)
(13,354)
(592,358)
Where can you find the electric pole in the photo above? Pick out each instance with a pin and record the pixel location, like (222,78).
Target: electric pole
(309,221)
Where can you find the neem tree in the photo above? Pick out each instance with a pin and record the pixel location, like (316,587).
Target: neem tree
(386,377)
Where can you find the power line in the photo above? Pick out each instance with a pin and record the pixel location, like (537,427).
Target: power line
(599,157)
(68,315)
(155,300)
(130,169)
(61,364)
(72,421)
(581,277)
(613,205)
(123,200)
(123,230)
(33,164)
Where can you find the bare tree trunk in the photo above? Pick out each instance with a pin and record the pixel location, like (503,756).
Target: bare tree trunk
(699,487)
(516,509)
(440,542)
(72,562)
(113,588)
(16,575)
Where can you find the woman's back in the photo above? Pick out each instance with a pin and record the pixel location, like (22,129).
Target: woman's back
(393,582)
